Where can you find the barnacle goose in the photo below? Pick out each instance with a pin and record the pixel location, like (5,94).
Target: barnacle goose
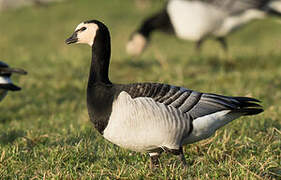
(5,82)
(151,117)
(197,20)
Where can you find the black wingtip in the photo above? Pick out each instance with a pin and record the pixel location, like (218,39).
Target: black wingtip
(13,70)
(19,71)
(249,106)
(244,99)
(10,87)
(252,111)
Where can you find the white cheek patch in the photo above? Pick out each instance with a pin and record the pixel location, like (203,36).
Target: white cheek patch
(5,80)
(87,36)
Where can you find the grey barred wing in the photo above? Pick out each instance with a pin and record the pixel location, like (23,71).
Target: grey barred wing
(194,103)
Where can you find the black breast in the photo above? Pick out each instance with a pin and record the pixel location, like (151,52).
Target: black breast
(99,101)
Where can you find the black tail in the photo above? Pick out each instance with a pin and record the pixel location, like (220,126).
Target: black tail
(248,106)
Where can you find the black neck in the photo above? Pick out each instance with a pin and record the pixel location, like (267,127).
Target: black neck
(99,91)
(101,51)
(160,21)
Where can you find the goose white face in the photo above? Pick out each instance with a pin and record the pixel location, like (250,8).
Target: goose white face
(84,33)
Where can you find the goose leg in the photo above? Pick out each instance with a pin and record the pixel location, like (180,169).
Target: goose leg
(181,157)
(179,153)
(199,45)
(154,159)
(223,42)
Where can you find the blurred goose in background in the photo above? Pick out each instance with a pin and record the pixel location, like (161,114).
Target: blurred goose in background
(142,4)
(5,82)
(151,117)
(197,20)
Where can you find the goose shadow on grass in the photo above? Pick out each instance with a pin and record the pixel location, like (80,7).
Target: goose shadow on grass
(10,136)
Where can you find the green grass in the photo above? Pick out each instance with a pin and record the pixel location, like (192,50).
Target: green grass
(45,131)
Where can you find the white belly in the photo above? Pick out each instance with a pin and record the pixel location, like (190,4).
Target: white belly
(141,124)
(193,20)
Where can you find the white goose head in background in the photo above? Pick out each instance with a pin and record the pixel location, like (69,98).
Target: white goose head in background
(136,44)
(5,82)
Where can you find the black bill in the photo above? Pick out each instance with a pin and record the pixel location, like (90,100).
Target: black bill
(72,39)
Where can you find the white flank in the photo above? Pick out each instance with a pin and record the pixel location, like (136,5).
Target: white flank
(206,126)
(193,20)
(5,80)
(141,124)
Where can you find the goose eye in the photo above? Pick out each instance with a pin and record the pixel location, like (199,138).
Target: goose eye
(83,29)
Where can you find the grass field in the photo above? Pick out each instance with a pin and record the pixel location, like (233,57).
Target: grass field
(45,131)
